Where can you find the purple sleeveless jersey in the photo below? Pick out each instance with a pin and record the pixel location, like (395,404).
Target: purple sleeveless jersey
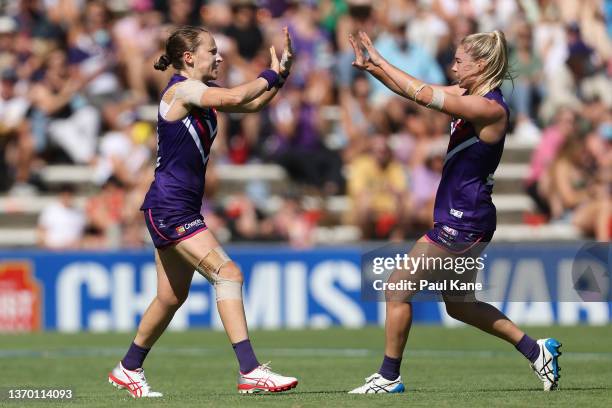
(463,200)
(172,204)
(183,148)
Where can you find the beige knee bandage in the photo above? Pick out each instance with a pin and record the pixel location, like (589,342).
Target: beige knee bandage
(212,262)
(228,289)
(210,266)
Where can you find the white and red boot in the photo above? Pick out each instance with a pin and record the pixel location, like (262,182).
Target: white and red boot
(263,379)
(132,380)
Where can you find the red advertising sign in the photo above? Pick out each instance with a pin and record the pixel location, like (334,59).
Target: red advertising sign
(20,298)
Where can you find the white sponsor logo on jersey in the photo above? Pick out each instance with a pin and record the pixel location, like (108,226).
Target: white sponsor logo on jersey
(456,213)
(450,230)
(194,223)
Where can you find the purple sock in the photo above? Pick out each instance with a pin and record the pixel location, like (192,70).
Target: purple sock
(246,356)
(529,348)
(390,368)
(134,357)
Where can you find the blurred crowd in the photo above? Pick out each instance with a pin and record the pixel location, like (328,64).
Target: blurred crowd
(77,75)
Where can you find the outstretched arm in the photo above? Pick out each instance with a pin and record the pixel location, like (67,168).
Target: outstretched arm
(449,99)
(365,64)
(254,105)
(193,92)
(283,67)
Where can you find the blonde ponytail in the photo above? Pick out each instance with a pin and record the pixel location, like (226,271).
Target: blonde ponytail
(491,48)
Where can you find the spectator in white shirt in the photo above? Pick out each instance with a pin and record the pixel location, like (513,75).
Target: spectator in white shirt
(61,224)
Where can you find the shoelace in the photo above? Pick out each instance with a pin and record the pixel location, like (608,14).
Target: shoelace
(372,377)
(266,367)
(144,384)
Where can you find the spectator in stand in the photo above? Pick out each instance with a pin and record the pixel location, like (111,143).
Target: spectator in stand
(360,16)
(90,51)
(379,192)
(460,27)
(137,36)
(405,55)
(425,179)
(248,53)
(524,90)
(538,183)
(61,113)
(243,218)
(16,143)
(291,223)
(61,224)
(577,196)
(104,213)
(299,142)
(179,12)
(358,119)
(124,150)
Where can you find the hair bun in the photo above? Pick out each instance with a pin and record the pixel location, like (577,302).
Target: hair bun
(162,63)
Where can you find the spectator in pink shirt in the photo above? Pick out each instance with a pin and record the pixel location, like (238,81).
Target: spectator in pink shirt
(537,183)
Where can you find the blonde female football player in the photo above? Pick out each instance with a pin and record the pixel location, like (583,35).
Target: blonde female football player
(464,214)
(187,126)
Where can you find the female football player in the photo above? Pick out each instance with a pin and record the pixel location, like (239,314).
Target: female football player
(187,126)
(464,214)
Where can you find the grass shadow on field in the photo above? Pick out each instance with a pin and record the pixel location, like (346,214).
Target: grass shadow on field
(530,389)
(285,394)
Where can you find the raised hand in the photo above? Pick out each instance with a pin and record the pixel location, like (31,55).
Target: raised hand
(373,53)
(360,61)
(287,55)
(274,63)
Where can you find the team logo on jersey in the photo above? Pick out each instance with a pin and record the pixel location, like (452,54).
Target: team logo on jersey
(456,124)
(180,230)
(456,213)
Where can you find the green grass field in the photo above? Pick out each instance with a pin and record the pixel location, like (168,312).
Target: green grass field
(442,367)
